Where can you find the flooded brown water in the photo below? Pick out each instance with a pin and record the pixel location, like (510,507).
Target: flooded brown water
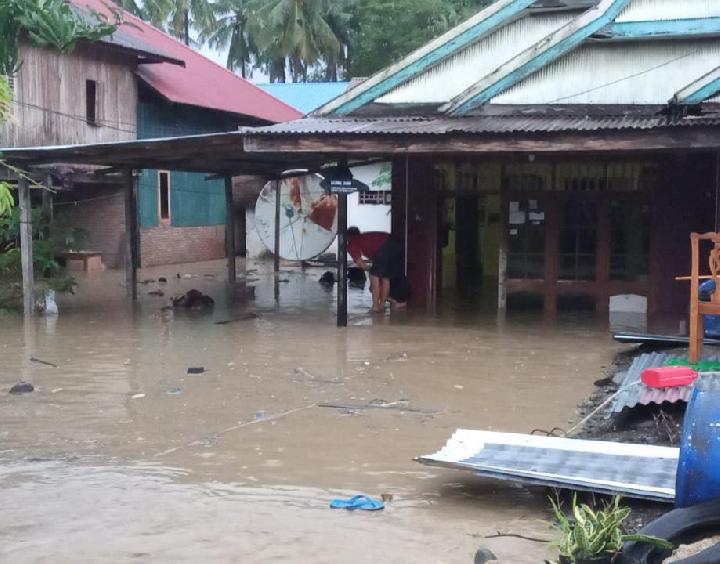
(121,456)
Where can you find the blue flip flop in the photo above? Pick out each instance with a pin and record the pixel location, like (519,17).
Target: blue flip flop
(358,502)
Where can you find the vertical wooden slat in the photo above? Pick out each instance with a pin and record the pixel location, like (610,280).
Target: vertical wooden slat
(132,234)
(26,250)
(342,261)
(696,320)
(230,231)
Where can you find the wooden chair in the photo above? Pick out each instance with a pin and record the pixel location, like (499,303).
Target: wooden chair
(699,309)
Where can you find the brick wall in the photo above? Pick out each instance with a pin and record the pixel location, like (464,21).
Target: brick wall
(168,245)
(99,210)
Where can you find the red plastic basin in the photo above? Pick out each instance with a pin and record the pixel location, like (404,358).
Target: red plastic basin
(668,376)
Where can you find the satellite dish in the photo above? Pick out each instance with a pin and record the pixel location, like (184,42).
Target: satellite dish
(308,217)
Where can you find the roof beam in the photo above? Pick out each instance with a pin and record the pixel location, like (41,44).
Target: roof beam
(631,141)
(536,57)
(699,90)
(482,24)
(661,29)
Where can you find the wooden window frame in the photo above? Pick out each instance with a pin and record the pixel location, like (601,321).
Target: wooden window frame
(164,220)
(92,117)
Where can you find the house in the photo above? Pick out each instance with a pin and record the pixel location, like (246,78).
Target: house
(549,151)
(370,211)
(557,152)
(138,83)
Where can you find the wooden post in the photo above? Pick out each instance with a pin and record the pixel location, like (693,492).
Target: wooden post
(230,231)
(697,326)
(504,243)
(276,258)
(131,234)
(26,250)
(342,261)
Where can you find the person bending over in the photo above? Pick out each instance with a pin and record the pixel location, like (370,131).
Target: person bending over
(385,253)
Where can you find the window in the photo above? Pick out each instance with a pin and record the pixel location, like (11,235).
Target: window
(164,195)
(374,197)
(578,240)
(91,102)
(526,240)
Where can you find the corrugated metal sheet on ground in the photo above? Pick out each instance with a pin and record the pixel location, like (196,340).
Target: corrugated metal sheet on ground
(642,471)
(633,392)
(475,125)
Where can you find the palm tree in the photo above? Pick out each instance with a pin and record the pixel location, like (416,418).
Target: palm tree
(337,16)
(184,14)
(231,32)
(295,32)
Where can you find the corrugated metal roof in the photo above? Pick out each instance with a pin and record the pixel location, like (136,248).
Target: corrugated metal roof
(120,38)
(474,125)
(633,392)
(305,96)
(635,470)
(202,82)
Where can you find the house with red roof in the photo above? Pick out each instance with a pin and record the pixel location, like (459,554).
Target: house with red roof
(137,83)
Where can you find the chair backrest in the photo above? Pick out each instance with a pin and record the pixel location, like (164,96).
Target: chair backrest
(713,263)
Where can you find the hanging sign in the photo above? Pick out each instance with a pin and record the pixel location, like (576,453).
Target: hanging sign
(339,180)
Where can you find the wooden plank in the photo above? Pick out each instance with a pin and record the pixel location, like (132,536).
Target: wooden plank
(230,231)
(696,320)
(26,250)
(131,234)
(575,142)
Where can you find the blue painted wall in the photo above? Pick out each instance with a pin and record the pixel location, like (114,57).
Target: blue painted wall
(194,201)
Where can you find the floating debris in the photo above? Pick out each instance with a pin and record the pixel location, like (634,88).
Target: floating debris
(22,388)
(245,317)
(45,362)
(196,370)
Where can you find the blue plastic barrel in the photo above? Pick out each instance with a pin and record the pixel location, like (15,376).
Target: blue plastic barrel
(698,474)
(711,322)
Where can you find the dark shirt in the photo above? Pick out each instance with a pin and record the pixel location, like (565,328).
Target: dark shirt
(366,244)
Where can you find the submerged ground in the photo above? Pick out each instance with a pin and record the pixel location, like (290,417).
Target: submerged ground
(119,455)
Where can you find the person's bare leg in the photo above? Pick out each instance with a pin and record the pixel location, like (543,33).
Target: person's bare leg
(396,304)
(384,291)
(376,292)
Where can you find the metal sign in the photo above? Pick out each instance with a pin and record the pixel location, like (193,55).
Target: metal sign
(339,180)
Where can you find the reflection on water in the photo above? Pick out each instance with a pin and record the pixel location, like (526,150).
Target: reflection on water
(257,460)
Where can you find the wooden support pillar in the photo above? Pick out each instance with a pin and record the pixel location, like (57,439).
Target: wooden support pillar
(26,250)
(552,207)
(342,310)
(132,233)
(230,231)
(603,250)
(504,244)
(276,258)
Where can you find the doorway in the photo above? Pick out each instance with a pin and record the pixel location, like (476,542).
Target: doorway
(468,246)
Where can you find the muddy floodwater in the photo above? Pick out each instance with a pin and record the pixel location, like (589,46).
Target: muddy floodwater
(120,455)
